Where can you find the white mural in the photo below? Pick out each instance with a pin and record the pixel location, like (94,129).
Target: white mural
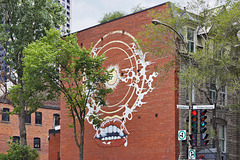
(129,76)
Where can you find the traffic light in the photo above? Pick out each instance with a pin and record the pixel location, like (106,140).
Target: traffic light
(203,136)
(203,139)
(203,117)
(193,140)
(194,117)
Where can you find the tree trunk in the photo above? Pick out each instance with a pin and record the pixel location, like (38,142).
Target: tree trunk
(82,140)
(22,128)
(216,140)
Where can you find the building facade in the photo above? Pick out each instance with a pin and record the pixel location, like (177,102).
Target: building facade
(37,126)
(67,5)
(141,119)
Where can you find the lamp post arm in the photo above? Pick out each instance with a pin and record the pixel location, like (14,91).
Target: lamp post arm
(157,22)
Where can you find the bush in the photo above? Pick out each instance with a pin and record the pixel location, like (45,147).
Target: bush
(19,152)
(3,156)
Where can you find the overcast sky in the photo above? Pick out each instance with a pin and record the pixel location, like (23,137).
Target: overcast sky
(87,13)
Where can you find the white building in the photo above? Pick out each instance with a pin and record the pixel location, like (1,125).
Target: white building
(67,5)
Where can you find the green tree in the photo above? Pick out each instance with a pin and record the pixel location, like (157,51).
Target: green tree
(81,80)
(111,16)
(211,66)
(24,21)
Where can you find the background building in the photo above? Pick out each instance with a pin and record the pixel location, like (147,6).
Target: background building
(37,126)
(67,5)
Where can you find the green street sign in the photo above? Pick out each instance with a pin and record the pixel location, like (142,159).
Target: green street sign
(191,154)
(182,135)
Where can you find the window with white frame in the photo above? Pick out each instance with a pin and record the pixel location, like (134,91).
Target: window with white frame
(222,136)
(190,39)
(223,95)
(212,92)
(187,94)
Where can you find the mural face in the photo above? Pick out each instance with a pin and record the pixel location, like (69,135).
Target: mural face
(129,82)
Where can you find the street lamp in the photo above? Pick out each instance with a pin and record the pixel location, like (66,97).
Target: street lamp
(157,22)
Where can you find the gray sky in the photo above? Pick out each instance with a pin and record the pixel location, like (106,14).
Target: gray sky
(87,13)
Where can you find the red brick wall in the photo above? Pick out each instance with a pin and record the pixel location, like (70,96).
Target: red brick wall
(54,145)
(151,136)
(33,130)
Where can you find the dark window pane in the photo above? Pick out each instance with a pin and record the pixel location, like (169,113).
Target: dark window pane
(37,143)
(28,118)
(56,118)
(16,139)
(38,117)
(5,114)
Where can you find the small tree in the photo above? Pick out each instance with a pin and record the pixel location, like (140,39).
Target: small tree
(81,80)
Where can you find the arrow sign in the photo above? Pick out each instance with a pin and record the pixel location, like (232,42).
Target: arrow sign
(182,107)
(203,107)
(182,135)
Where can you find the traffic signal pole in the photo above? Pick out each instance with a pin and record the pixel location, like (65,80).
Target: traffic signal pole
(190,113)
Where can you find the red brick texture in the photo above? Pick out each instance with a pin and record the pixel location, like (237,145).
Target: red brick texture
(54,145)
(33,130)
(153,128)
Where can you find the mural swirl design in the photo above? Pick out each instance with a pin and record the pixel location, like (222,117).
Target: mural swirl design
(128,66)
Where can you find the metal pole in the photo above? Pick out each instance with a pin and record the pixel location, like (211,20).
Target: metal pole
(157,22)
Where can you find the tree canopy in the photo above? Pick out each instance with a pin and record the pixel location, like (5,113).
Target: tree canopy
(23,22)
(55,64)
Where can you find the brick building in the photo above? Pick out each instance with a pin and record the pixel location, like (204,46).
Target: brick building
(140,122)
(37,126)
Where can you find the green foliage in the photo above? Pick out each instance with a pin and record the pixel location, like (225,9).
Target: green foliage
(23,23)
(19,152)
(111,16)
(137,8)
(3,156)
(82,77)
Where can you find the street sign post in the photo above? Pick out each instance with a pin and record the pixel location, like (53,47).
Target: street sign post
(191,154)
(182,135)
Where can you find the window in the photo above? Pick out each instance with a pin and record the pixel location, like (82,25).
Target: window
(56,119)
(190,39)
(68,14)
(16,139)
(68,25)
(187,94)
(28,118)
(213,92)
(222,136)
(5,114)
(68,1)
(223,95)
(38,117)
(68,7)
(37,143)
(63,4)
